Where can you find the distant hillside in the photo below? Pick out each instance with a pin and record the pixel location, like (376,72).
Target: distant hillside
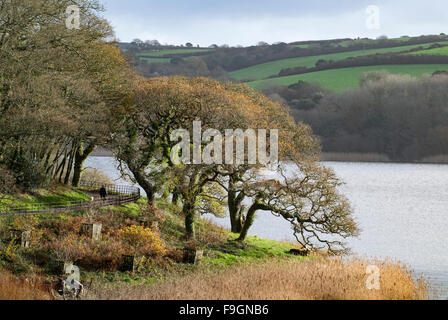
(266,65)
(265,70)
(397,119)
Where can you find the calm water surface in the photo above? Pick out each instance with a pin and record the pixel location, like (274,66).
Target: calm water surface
(402,210)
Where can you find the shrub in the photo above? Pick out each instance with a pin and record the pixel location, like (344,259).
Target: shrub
(28,223)
(7,182)
(28,173)
(88,254)
(142,240)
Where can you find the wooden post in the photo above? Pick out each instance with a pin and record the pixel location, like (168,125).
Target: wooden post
(146,223)
(92,230)
(22,238)
(26,239)
(133,263)
(193,256)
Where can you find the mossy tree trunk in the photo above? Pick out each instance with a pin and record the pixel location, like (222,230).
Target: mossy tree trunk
(81,156)
(189,212)
(257,205)
(236,208)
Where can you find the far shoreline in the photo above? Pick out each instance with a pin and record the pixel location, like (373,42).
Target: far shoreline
(337,157)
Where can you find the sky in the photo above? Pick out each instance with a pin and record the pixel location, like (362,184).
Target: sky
(246,22)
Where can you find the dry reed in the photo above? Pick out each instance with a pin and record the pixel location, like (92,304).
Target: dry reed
(12,288)
(315,279)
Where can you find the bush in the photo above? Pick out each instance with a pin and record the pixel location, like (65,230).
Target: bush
(88,254)
(28,173)
(142,240)
(7,181)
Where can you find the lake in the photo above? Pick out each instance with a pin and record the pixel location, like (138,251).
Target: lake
(402,210)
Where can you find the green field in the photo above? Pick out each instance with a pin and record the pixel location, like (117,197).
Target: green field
(342,79)
(435,51)
(262,71)
(162,53)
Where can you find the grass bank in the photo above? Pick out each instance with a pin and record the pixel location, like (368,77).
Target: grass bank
(54,194)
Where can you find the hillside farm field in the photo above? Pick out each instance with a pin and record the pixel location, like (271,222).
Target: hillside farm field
(436,51)
(262,71)
(341,79)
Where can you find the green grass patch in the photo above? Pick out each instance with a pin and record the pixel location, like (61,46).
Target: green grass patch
(342,79)
(265,70)
(59,194)
(253,249)
(436,51)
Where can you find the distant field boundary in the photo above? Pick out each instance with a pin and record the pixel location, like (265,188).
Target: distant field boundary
(376,157)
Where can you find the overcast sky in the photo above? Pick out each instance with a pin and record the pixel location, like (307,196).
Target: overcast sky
(246,22)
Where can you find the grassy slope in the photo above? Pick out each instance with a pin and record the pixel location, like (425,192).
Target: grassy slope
(342,79)
(265,70)
(57,194)
(220,248)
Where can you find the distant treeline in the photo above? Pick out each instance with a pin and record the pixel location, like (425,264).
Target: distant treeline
(191,67)
(399,116)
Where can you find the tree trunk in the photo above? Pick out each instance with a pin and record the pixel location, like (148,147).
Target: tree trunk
(257,205)
(236,213)
(80,157)
(175,198)
(149,189)
(69,167)
(188,211)
(236,210)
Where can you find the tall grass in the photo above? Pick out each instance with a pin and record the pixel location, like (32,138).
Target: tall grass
(314,279)
(12,288)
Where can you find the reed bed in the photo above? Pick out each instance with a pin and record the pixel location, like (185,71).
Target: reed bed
(314,279)
(12,288)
